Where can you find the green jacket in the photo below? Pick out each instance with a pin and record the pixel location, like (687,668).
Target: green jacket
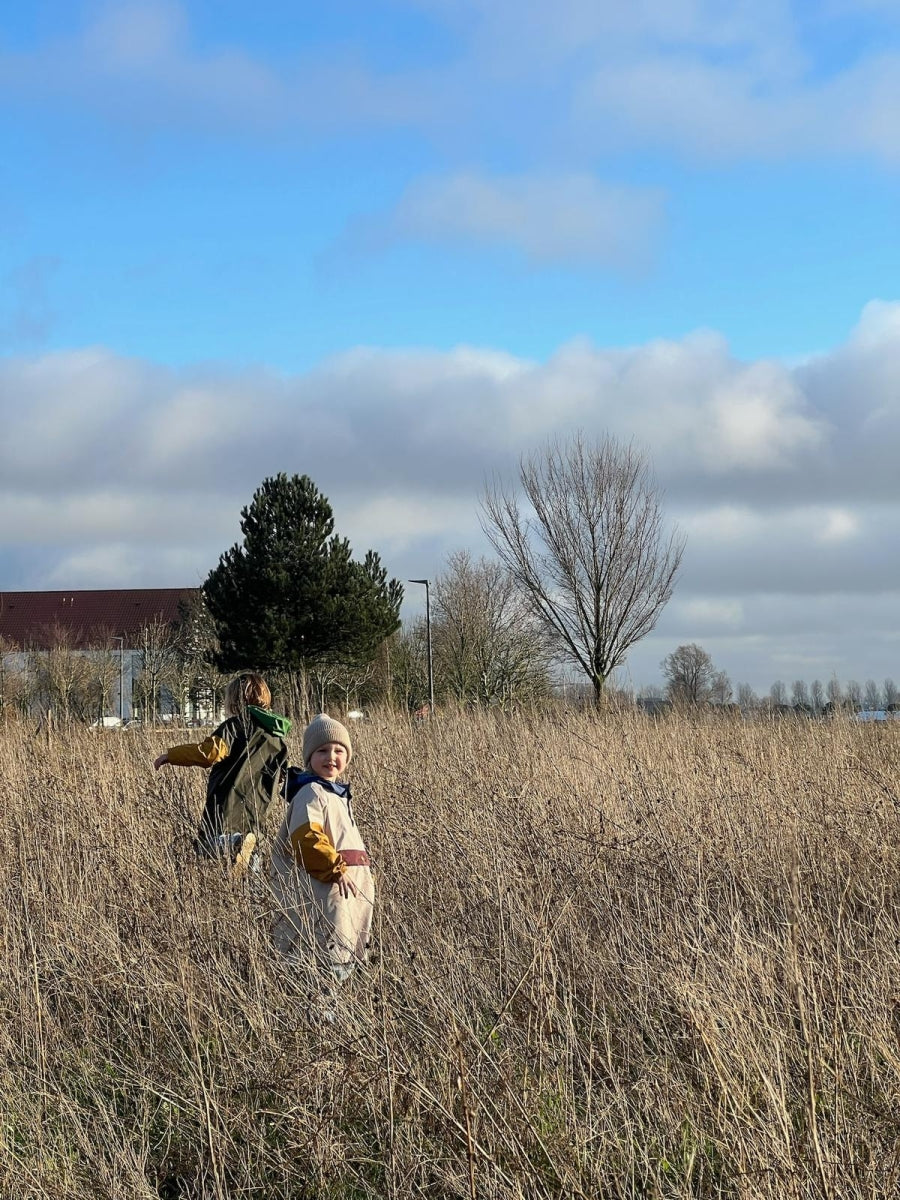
(247,759)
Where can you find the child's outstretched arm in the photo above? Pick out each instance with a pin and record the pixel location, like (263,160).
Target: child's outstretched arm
(211,750)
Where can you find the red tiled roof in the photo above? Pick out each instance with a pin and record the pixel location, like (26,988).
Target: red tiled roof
(35,618)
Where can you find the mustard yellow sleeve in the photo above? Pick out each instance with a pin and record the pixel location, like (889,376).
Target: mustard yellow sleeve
(211,750)
(315,852)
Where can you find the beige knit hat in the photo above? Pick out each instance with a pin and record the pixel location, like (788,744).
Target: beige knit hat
(320,730)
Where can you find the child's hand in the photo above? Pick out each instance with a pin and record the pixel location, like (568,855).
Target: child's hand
(347,887)
(160,762)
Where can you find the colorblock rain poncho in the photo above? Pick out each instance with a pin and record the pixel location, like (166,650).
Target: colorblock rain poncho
(319,841)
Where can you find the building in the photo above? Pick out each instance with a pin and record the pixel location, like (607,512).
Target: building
(88,623)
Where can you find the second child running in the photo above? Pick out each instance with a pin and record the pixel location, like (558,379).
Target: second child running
(247,760)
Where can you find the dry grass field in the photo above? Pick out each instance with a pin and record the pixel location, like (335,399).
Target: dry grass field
(614,958)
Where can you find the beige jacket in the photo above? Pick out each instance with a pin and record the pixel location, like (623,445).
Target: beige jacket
(307,863)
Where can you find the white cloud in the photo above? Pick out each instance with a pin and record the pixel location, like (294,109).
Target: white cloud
(706,78)
(137,63)
(759,419)
(710,614)
(430,421)
(787,637)
(400,524)
(133,36)
(722,523)
(839,526)
(105,566)
(573,218)
(104,510)
(710,110)
(878,325)
(567,28)
(709,78)
(785,479)
(726,529)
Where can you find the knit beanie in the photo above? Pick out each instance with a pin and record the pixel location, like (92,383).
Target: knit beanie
(320,730)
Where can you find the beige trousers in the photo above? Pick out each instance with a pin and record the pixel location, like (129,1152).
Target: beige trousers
(313,918)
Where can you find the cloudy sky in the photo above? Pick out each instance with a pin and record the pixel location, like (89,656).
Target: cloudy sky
(393,244)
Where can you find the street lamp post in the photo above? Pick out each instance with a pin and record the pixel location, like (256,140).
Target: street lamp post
(428,634)
(121,641)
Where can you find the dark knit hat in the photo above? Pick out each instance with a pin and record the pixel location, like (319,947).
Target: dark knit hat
(323,729)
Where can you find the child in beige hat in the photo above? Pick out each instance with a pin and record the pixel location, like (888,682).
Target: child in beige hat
(321,873)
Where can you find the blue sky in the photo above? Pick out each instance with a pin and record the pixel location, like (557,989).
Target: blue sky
(212,209)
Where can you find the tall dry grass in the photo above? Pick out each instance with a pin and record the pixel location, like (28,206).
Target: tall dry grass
(614,958)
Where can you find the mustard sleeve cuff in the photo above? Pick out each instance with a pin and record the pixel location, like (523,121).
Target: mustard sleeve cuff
(210,750)
(314,851)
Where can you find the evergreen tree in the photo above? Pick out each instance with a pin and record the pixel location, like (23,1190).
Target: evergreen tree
(291,596)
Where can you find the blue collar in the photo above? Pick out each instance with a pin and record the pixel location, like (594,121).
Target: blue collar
(298,779)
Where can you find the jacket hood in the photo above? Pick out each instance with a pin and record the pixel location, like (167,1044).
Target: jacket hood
(269,721)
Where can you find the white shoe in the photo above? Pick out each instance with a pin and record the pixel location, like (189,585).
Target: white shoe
(244,856)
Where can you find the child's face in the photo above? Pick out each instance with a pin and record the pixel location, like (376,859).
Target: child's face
(329,760)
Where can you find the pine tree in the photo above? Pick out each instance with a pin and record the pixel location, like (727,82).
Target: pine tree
(292,596)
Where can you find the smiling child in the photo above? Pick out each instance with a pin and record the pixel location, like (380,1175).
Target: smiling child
(321,873)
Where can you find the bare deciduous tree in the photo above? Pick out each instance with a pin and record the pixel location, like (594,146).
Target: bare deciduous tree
(409,665)
(352,681)
(13,680)
(592,556)
(335,682)
(61,681)
(872,695)
(746,697)
(891,695)
(721,691)
(158,658)
(197,682)
(800,694)
(817,695)
(105,665)
(691,676)
(488,647)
